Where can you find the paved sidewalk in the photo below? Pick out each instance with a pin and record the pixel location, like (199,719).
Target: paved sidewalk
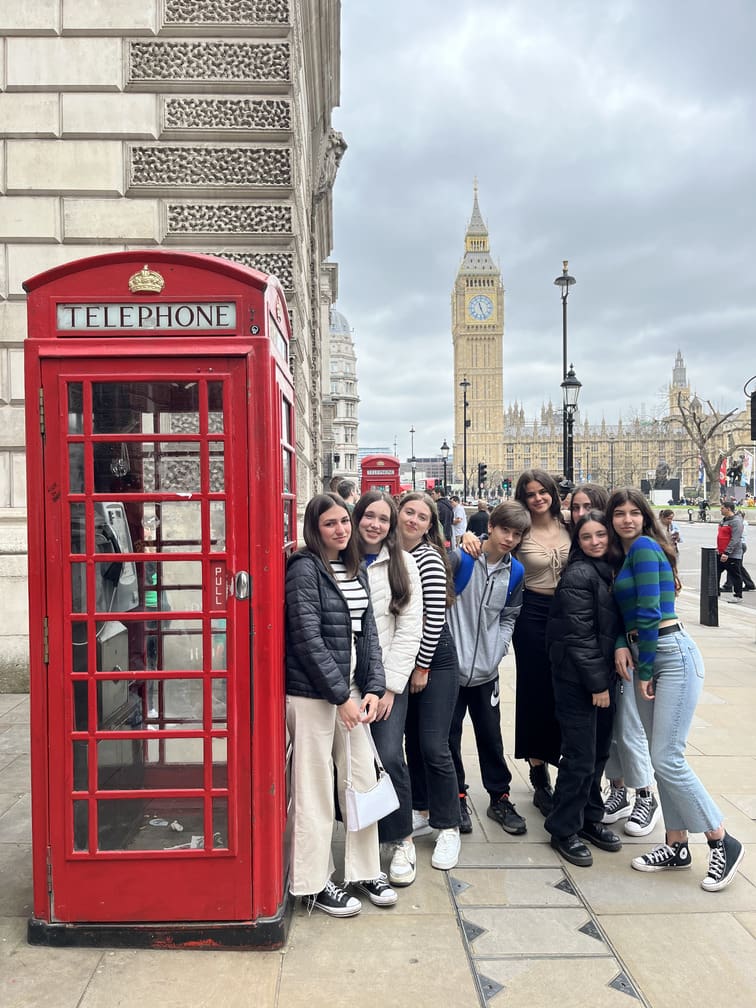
(512,926)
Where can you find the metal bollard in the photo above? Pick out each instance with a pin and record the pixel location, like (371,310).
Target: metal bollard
(709,587)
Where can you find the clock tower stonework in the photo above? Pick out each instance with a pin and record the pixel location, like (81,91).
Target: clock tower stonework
(478,335)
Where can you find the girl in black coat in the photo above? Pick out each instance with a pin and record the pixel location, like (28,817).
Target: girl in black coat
(583,625)
(334,679)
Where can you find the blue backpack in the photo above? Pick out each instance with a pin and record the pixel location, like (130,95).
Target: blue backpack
(467,565)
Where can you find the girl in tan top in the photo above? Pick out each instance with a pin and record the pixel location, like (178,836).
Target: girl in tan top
(543,553)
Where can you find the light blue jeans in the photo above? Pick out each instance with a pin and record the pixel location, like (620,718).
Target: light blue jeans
(629,758)
(678,681)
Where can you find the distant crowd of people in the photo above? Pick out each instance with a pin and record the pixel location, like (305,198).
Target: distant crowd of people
(398,615)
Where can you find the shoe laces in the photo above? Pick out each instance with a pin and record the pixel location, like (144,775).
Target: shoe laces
(717,861)
(660,854)
(642,807)
(447,838)
(335,892)
(617,797)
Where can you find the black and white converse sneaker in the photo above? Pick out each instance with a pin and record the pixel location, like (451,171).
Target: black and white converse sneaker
(663,858)
(377,890)
(724,857)
(616,805)
(334,901)
(645,815)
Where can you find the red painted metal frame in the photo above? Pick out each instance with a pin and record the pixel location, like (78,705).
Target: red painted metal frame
(261,340)
(389,476)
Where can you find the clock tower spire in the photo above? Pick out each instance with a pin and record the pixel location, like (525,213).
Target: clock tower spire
(477,336)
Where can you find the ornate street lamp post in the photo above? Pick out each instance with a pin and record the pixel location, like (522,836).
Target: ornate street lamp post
(571,390)
(464,385)
(445,456)
(564,282)
(413,460)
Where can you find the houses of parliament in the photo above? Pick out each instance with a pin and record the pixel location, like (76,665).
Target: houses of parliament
(613,454)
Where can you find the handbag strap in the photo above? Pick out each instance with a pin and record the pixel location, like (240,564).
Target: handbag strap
(348,747)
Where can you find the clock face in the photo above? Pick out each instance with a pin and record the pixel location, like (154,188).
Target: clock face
(480,307)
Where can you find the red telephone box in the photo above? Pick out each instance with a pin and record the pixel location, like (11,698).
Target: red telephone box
(380,472)
(160,457)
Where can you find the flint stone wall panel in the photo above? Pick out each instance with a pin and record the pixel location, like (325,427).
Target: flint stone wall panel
(133,116)
(65,166)
(230,220)
(188,114)
(30,115)
(280,264)
(98,17)
(81,64)
(234,13)
(170,168)
(208,64)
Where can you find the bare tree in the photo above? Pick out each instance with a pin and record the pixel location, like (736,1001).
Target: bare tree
(712,439)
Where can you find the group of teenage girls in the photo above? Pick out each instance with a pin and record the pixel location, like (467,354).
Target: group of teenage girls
(607,680)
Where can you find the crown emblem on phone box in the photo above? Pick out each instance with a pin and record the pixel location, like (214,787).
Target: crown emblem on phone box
(146,281)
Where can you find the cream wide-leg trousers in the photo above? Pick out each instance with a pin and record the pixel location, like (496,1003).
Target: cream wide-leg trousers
(317,737)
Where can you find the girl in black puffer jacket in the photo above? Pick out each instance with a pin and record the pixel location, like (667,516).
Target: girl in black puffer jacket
(334,679)
(583,626)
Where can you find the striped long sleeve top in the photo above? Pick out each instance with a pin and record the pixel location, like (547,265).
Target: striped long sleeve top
(433,581)
(645,592)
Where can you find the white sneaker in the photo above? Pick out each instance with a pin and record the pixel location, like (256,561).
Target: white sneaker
(402,869)
(420,824)
(446,851)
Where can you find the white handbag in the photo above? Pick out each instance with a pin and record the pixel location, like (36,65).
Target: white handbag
(363,808)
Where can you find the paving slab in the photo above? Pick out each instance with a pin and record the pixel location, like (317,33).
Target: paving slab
(684,958)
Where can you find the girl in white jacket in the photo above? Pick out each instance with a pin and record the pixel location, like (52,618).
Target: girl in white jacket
(397,601)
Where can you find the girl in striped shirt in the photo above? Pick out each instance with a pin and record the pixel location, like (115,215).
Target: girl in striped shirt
(434,685)
(668,682)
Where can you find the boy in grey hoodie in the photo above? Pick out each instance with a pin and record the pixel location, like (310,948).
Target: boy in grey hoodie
(489,599)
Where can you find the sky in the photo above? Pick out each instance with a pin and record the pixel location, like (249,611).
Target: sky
(617,134)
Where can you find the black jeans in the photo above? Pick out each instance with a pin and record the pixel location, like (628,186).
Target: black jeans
(482,702)
(734,568)
(586,737)
(388,736)
(429,715)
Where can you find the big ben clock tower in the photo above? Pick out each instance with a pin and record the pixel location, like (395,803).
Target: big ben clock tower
(477,334)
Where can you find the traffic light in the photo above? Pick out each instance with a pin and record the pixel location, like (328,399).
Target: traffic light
(482,473)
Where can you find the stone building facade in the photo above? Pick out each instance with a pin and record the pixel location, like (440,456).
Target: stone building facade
(203,125)
(340,403)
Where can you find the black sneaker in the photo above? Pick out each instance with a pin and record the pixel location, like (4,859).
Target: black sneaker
(506,815)
(663,858)
(724,857)
(616,805)
(465,819)
(333,901)
(377,890)
(645,815)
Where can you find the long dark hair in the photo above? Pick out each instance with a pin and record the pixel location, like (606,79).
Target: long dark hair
(317,506)
(433,536)
(398,575)
(547,482)
(651,527)
(594,515)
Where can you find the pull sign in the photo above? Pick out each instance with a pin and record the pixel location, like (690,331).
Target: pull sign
(218,586)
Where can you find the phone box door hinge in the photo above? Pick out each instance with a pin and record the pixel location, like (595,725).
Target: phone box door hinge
(49,871)
(42,412)
(45,642)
